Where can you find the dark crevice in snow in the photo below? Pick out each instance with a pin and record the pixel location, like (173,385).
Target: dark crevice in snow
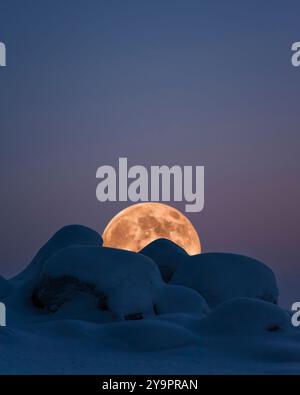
(36,300)
(52,293)
(135,316)
(273,328)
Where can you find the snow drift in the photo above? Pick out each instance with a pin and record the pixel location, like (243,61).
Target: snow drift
(166,254)
(254,316)
(178,299)
(219,277)
(124,283)
(5,287)
(83,308)
(66,236)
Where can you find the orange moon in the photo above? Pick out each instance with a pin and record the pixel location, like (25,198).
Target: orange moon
(138,225)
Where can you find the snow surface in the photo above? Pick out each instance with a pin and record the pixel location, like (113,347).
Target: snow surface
(67,236)
(80,308)
(178,299)
(219,277)
(166,254)
(129,281)
(5,287)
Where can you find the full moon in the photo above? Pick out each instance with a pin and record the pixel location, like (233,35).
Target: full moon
(138,225)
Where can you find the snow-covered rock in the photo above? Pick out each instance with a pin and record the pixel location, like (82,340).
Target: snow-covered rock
(125,283)
(84,309)
(166,254)
(245,315)
(5,287)
(67,236)
(219,277)
(81,306)
(178,299)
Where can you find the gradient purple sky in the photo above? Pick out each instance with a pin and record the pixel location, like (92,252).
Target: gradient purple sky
(162,82)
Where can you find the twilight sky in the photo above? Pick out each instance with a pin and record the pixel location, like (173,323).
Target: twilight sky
(160,82)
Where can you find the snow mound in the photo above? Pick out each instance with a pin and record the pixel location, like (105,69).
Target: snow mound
(220,276)
(178,299)
(245,315)
(5,287)
(188,321)
(81,308)
(148,335)
(166,254)
(124,283)
(127,336)
(66,236)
